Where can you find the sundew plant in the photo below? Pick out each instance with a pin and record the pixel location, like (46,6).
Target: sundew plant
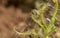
(45,29)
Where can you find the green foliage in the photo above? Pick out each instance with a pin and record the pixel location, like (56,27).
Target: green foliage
(40,21)
(47,29)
